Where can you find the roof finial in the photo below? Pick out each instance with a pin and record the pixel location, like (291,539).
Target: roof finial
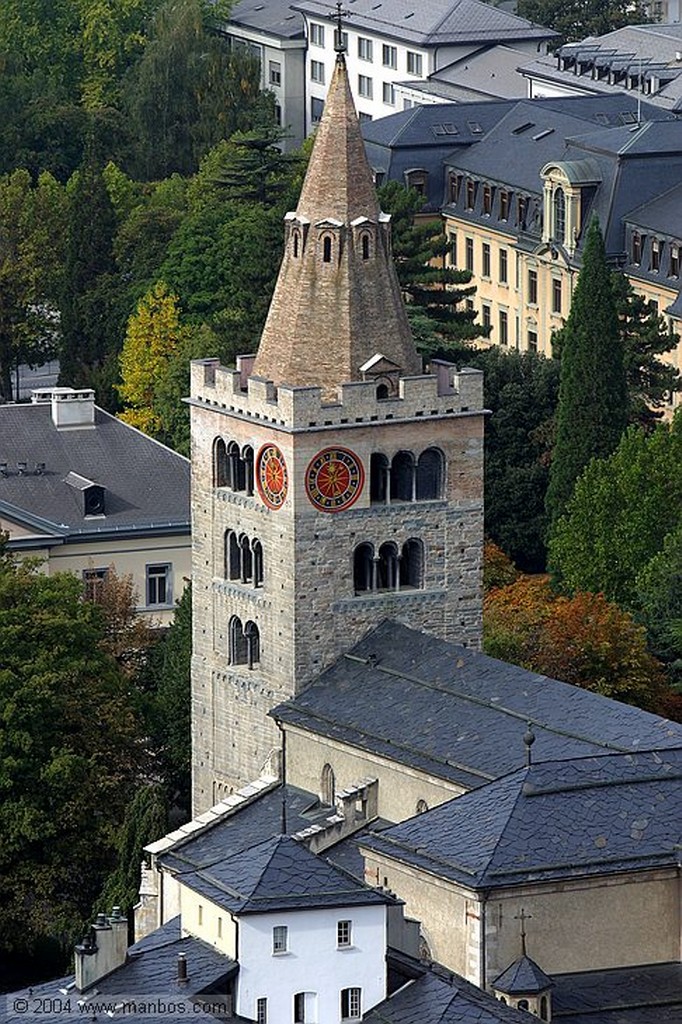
(529,740)
(339,44)
(523,917)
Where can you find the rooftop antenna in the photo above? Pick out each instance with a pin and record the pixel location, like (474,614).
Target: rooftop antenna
(529,740)
(523,917)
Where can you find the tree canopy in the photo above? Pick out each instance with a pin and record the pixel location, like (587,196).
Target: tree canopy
(576,19)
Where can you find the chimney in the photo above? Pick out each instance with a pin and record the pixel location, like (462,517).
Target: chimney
(103,949)
(72,408)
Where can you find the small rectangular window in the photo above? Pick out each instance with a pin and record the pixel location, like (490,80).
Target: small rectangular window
(504,327)
(452,246)
(364,117)
(414,63)
(674,261)
(504,267)
(485,260)
(454,182)
(532,341)
(280,939)
(469,254)
(487,200)
(389,94)
(485,315)
(351,1003)
(656,247)
(636,248)
(220,927)
(275,72)
(262,1010)
(504,205)
(200,915)
(316,34)
(343,933)
(521,208)
(389,56)
(159,590)
(471,194)
(365,87)
(533,287)
(365,48)
(317,71)
(556,295)
(93,580)
(316,108)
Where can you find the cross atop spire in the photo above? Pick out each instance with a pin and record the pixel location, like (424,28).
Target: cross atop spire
(339,44)
(522,916)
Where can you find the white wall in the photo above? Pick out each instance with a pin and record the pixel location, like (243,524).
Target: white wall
(313,963)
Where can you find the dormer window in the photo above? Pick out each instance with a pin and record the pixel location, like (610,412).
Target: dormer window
(521,211)
(418,180)
(455,183)
(504,205)
(656,247)
(636,248)
(471,194)
(487,200)
(674,270)
(559,209)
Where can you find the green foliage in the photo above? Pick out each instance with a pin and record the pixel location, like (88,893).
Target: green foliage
(659,602)
(429,285)
(592,411)
(169,714)
(63,789)
(576,19)
(146,819)
(622,510)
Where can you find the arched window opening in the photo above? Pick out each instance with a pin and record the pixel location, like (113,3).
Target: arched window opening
(422,806)
(247,460)
(246,559)
(220,463)
(402,477)
(326,249)
(365,247)
(430,475)
(382,391)
(257,549)
(522,1004)
(297,242)
(252,639)
(559,215)
(543,1008)
(237,654)
(328,786)
(412,565)
(388,577)
(363,568)
(378,479)
(235,467)
(503,1000)
(232,556)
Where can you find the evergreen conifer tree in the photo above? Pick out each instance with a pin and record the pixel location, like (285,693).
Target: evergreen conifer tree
(593,404)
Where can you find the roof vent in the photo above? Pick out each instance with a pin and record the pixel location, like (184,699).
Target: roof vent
(93,494)
(520,129)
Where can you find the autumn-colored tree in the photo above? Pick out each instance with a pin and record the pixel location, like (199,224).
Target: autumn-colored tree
(583,640)
(498,569)
(127,637)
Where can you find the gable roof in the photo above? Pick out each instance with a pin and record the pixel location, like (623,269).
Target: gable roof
(280,874)
(432,22)
(273,18)
(147,484)
(554,820)
(458,714)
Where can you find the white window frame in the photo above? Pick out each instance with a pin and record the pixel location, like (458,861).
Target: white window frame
(389,56)
(365,49)
(365,87)
(316,34)
(280,939)
(415,63)
(274,72)
(344,934)
(262,1010)
(354,999)
(317,72)
(389,94)
(151,575)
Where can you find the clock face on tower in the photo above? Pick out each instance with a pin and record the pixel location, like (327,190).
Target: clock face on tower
(334,479)
(272,478)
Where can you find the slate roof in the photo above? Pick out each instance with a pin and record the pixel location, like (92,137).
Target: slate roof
(280,874)
(428,23)
(491,72)
(442,998)
(458,714)
(562,819)
(522,977)
(147,484)
(149,973)
(647,994)
(249,824)
(272,17)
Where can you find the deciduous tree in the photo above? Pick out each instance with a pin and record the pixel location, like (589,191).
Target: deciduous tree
(576,19)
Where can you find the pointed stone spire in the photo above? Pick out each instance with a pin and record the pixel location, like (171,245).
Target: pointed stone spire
(337,302)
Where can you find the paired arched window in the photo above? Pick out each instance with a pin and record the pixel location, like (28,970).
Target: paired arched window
(244,643)
(389,568)
(405,478)
(328,786)
(232,466)
(243,559)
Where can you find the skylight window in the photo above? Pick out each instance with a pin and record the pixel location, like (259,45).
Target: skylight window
(520,129)
(543,134)
(475,128)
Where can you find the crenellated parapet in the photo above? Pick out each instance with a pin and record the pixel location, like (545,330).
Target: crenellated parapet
(447,391)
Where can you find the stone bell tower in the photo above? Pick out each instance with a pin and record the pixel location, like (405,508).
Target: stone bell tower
(335,484)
